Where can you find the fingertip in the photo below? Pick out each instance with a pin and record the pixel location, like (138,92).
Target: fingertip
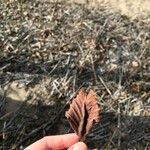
(54,142)
(61,141)
(79,146)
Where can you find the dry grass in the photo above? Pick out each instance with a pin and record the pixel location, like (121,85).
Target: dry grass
(51,49)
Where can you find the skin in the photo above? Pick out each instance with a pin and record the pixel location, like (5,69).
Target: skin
(58,142)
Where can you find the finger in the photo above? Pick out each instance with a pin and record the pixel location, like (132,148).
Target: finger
(78,146)
(54,142)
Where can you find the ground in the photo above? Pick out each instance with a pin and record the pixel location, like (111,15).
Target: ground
(50,49)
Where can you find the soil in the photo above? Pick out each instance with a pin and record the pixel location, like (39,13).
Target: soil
(131,8)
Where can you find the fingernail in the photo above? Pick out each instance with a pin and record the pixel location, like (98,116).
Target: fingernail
(75,148)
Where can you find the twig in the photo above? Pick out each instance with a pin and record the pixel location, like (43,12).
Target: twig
(93,68)
(102,81)
(4,67)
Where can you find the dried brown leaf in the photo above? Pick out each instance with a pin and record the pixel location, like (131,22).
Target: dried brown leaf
(83,113)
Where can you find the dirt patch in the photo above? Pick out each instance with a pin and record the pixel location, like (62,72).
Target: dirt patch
(131,8)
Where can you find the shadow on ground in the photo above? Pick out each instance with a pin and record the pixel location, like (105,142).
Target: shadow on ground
(29,123)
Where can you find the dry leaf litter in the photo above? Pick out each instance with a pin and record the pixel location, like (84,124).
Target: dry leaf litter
(49,50)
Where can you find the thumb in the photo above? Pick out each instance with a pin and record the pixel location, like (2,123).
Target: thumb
(78,146)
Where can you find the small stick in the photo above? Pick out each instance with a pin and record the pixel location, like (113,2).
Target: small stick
(102,81)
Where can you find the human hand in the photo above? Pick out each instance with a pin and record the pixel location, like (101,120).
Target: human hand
(58,142)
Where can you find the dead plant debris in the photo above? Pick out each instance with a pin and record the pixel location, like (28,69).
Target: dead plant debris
(52,49)
(83,113)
